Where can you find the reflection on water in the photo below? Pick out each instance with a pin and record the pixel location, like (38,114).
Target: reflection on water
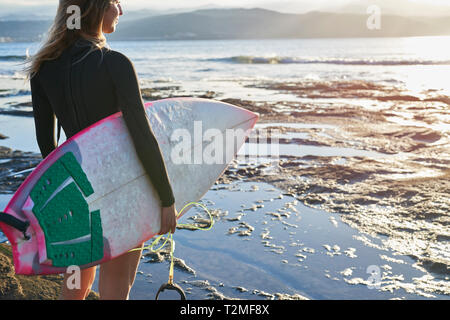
(264,150)
(267,243)
(20,132)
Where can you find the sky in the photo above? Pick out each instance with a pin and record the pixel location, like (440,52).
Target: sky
(290,6)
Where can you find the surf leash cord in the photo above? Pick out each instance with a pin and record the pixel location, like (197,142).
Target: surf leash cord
(15,223)
(170,285)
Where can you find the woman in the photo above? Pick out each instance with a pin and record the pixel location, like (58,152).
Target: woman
(76,78)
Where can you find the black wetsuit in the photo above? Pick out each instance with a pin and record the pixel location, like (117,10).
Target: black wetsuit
(82,93)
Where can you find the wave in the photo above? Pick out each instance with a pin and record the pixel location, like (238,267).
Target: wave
(14,93)
(13,58)
(337,61)
(12,74)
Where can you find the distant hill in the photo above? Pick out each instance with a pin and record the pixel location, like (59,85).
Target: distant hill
(247,24)
(261,23)
(24,30)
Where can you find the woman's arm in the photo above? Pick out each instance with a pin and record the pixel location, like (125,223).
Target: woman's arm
(44,118)
(130,102)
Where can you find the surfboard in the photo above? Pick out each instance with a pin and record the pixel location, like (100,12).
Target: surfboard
(90,200)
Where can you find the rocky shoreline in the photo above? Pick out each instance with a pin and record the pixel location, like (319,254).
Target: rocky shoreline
(391,178)
(15,165)
(398,188)
(402,192)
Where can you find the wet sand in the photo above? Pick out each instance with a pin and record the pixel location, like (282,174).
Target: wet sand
(372,159)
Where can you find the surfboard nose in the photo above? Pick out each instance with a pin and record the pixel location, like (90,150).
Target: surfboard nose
(254,118)
(245,115)
(211,113)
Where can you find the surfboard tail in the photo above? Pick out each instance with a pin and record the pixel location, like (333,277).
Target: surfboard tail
(18,232)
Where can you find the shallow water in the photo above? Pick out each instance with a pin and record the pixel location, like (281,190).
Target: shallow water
(293,249)
(20,132)
(260,149)
(295,125)
(279,247)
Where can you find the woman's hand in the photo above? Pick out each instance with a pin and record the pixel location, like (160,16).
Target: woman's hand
(168,219)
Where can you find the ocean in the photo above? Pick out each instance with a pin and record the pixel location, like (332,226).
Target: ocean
(291,245)
(225,66)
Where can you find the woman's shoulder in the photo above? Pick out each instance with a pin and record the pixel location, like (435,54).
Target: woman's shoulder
(118,64)
(117,57)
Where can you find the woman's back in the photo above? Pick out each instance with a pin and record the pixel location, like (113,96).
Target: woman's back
(81,93)
(81,90)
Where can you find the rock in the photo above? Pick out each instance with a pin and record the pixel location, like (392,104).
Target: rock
(181,264)
(20,287)
(285,296)
(10,288)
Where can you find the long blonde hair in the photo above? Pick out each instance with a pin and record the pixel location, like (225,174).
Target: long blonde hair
(60,36)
